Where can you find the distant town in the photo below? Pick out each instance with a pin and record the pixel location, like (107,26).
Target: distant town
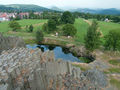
(5,16)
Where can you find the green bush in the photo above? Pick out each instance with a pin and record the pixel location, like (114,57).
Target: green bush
(69,30)
(92,38)
(51,25)
(14,25)
(45,28)
(31,28)
(67,18)
(112,40)
(39,36)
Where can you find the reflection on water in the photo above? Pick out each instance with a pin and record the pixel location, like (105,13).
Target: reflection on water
(59,52)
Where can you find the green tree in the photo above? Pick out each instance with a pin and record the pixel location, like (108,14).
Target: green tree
(51,25)
(14,25)
(92,38)
(31,28)
(69,30)
(67,17)
(45,28)
(39,36)
(112,40)
(56,19)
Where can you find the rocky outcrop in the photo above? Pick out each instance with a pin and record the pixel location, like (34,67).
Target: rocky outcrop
(27,69)
(7,43)
(80,51)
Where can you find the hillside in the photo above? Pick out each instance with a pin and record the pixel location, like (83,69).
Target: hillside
(110,11)
(56,8)
(23,7)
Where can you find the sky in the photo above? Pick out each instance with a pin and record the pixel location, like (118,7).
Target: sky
(68,3)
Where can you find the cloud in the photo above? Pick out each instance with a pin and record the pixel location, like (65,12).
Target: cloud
(68,3)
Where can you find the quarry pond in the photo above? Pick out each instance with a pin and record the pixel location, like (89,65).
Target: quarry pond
(59,52)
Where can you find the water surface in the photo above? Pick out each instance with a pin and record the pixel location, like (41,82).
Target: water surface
(59,52)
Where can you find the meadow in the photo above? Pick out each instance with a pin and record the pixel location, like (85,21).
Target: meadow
(4,27)
(81,27)
(79,24)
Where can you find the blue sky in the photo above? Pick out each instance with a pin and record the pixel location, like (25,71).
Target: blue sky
(68,3)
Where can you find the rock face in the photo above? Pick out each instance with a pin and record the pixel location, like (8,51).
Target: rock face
(26,69)
(10,42)
(81,52)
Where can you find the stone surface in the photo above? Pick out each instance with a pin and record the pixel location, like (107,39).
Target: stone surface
(80,51)
(27,69)
(96,77)
(7,43)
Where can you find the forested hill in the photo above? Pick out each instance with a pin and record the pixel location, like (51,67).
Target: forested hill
(22,7)
(110,11)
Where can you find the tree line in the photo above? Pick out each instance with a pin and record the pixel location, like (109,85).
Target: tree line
(93,40)
(99,17)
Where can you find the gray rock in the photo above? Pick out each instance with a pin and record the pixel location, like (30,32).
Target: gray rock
(97,77)
(27,69)
(7,43)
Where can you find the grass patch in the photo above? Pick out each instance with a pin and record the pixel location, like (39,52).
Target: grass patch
(81,67)
(115,82)
(85,60)
(4,27)
(30,41)
(114,70)
(105,27)
(114,62)
(81,27)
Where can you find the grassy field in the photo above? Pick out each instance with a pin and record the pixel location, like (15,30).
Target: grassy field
(37,23)
(80,25)
(105,27)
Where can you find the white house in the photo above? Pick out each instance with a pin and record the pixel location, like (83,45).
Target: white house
(3,17)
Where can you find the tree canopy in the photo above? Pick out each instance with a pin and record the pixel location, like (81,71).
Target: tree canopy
(14,25)
(69,30)
(39,36)
(51,25)
(112,40)
(92,38)
(31,28)
(67,18)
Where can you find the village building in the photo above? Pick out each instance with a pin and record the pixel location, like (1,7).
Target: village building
(6,16)
(23,15)
(106,20)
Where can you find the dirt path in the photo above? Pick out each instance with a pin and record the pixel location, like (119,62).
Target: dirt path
(87,21)
(90,23)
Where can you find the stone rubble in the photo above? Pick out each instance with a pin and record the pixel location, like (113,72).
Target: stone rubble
(27,69)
